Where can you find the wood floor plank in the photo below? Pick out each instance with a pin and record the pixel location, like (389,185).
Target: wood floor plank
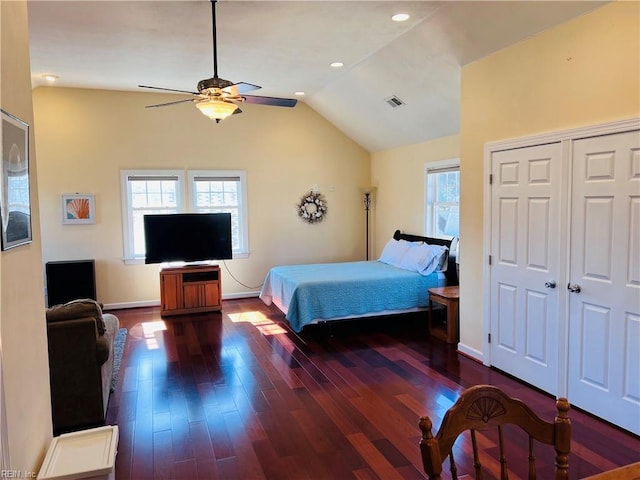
(207,469)
(200,441)
(162,455)
(249,466)
(238,395)
(218,435)
(184,469)
(377,462)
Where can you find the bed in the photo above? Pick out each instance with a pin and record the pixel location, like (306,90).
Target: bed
(314,293)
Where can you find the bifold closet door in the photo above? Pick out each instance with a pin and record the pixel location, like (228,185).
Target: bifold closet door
(525,263)
(604,278)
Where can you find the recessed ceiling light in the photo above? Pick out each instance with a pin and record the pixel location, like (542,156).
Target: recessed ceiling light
(298,93)
(50,77)
(400,17)
(337,64)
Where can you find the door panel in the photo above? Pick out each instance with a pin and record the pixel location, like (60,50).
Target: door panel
(604,315)
(525,256)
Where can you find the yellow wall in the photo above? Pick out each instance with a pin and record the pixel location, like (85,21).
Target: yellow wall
(85,137)
(22,328)
(583,72)
(399,174)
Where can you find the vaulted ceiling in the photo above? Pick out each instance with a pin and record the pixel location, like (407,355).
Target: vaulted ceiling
(288,46)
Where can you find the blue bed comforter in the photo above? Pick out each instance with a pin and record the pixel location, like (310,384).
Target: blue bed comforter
(309,293)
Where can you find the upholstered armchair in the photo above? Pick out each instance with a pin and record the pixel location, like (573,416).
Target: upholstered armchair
(80,339)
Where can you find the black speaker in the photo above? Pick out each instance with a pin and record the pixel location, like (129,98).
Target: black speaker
(70,280)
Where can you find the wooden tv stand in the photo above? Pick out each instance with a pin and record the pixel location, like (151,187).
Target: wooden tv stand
(190,289)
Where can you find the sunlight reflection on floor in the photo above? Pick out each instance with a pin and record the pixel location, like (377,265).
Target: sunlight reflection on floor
(258,320)
(149,330)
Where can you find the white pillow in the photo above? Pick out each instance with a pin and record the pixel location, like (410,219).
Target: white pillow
(443,262)
(423,258)
(394,250)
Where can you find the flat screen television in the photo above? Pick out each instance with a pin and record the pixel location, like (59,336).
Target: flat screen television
(187,237)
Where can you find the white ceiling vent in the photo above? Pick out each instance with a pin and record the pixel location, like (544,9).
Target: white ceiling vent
(394,101)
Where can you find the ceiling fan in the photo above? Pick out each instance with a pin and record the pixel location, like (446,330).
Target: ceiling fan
(216,97)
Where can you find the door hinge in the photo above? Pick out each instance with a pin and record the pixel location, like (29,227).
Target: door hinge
(488,337)
(491,179)
(490,259)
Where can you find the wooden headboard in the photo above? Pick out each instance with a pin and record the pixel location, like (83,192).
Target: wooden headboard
(451,273)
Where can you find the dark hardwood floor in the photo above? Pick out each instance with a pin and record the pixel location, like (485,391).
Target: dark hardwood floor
(237,395)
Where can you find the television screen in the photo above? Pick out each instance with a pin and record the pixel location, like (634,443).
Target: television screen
(187,237)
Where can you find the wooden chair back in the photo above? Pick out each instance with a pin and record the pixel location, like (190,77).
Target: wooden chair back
(483,407)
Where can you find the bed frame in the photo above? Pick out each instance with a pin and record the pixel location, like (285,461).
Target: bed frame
(450,279)
(451,274)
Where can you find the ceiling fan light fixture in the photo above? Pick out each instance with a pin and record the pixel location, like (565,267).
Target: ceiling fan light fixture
(216,109)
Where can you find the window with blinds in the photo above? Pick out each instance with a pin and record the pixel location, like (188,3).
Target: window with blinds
(442,209)
(146,193)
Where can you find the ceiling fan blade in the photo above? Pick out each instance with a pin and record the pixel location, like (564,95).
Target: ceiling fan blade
(241,87)
(169,103)
(273,101)
(168,89)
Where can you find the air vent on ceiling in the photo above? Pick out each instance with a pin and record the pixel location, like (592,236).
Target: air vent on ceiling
(394,101)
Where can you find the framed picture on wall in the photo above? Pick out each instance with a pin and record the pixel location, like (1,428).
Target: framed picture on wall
(78,208)
(15,200)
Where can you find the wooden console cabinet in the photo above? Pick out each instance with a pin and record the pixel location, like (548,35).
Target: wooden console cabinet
(191,289)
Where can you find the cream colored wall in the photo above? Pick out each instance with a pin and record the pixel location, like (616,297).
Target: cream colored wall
(583,72)
(22,328)
(399,175)
(85,137)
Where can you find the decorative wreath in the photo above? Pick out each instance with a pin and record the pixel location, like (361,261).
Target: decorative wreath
(312,208)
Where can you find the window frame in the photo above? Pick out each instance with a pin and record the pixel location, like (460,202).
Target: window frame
(127,218)
(243,216)
(439,166)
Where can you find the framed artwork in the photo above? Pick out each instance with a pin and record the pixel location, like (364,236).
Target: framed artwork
(15,200)
(78,208)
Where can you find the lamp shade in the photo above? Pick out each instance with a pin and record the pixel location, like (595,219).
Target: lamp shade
(216,109)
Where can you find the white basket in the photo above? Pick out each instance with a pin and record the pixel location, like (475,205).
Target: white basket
(81,455)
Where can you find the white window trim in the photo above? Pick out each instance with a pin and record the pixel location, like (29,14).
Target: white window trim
(244,216)
(430,168)
(127,227)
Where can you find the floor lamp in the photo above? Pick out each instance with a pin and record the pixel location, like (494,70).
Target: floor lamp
(368,197)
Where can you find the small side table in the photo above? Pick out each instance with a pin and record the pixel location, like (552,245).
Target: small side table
(447,296)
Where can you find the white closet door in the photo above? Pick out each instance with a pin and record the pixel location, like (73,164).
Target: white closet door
(604,316)
(525,223)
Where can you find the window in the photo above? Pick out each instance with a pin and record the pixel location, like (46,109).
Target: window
(161,191)
(222,191)
(443,199)
(147,192)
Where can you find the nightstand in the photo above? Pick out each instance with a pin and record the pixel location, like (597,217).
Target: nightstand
(447,296)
